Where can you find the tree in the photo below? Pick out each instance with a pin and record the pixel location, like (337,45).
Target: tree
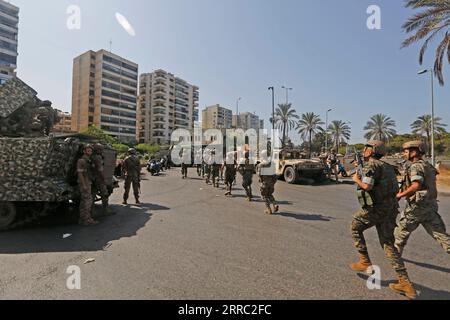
(308,126)
(422,127)
(285,116)
(429,24)
(340,132)
(380,127)
(98,133)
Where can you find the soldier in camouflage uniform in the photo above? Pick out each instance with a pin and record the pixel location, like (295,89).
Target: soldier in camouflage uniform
(377,190)
(208,166)
(267,183)
(230,172)
(132,172)
(247,170)
(184,164)
(215,171)
(84,173)
(99,178)
(420,191)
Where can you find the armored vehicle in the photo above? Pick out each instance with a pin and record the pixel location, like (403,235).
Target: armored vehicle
(293,166)
(37,169)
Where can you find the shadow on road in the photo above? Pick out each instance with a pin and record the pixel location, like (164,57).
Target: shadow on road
(424,293)
(47,235)
(154,207)
(305,217)
(428,266)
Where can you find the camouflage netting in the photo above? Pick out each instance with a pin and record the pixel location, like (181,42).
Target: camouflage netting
(39,169)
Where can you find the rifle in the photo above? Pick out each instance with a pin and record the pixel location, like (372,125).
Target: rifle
(359,170)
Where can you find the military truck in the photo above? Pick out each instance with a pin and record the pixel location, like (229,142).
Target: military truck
(37,168)
(293,166)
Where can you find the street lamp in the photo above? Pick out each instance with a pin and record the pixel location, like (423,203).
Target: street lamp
(326,130)
(287,93)
(433,159)
(273,107)
(237,112)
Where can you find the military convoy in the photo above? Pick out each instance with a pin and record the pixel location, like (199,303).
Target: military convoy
(37,169)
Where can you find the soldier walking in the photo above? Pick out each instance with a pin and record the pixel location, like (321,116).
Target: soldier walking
(267,184)
(100,182)
(377,190)
(85,184)
(247,170)
(215,171)
(420,191)
(184,164)
(230,172)
(132,171)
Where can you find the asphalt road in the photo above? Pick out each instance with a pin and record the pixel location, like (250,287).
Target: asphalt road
(188,241)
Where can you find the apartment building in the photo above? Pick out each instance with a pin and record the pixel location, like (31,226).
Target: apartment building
(217,117)
(64,125)
(9,29)
(247,121)
(166,103)
(104,94)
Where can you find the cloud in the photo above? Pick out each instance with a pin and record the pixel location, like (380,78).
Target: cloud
(125,24)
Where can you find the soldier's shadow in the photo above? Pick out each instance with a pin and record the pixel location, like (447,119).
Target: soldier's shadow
(423,292)
(305,217)
(47,234)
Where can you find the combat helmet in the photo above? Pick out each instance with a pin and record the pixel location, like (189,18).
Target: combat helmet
(420,145)
(98,148)
(88,146)
(378,147)
(132,151)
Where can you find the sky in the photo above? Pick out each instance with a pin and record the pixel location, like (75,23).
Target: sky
(238,48)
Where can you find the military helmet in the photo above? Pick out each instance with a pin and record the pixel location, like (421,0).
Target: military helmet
(88,146)
(420,145)
(377,146)
(333,150)
(132,151)
(98,147)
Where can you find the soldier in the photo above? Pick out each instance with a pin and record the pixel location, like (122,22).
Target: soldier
(184,164)
(99,178)
(199,162)
(132,172)
(208,166)
(332,162)
(215,170)
(247,170)
(420,191)
(267,183)
(230,172)
(377,189)
(85,183)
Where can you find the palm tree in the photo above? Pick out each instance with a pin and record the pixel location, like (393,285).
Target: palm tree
(422,126)
(340,132)
(285,116)
(308,126)
(433,21)
(380,127)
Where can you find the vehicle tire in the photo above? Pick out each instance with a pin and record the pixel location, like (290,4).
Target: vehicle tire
(8,214)
(290,175)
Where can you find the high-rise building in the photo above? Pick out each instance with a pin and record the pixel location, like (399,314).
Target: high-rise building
(166,103)
(247,120)
(9,29)
(64,125)
(104,94)
(217,117)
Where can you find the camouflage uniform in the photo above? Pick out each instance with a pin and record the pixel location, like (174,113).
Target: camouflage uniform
(267,187)
(422,208)
(84,165)
(379,208)
(132,170)
(99,178)
(184,170)
(247,170)
(230,176)
(215,173)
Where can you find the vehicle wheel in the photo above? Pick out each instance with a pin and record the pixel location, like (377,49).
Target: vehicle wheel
(290,175)
(8,214)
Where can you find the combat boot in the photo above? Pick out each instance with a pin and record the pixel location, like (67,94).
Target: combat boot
(276,208)
(404,287)
(125,202)
(363,264)
(268,210)
(137,201)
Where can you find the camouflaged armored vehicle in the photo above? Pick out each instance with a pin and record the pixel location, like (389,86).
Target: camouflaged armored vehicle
(37,169)
(293,166)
